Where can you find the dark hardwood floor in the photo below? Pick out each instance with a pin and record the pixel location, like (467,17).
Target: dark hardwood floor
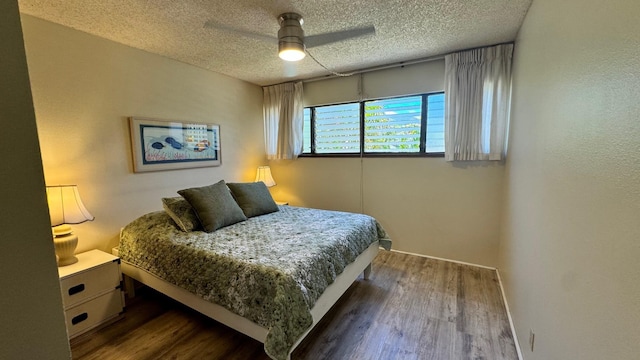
(410,308)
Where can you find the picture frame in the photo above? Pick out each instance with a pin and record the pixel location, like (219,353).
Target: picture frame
(169,145)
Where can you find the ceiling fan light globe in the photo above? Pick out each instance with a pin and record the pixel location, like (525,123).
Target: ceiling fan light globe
(291,54)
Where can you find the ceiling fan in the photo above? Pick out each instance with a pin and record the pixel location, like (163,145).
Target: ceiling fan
(292,43)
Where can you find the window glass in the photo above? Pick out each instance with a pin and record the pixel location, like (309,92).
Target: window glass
(306,131)
(337,128)
(435,123)
(393,125)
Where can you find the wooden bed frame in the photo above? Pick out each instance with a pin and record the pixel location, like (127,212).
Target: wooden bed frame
(333,292)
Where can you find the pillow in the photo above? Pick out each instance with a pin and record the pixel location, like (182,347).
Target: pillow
(254,198)
(214,206)
(182,213)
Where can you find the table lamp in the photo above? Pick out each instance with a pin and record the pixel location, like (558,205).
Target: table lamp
(66,207)
(264,175)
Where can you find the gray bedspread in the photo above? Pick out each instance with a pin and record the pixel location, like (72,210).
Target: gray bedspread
(270,269)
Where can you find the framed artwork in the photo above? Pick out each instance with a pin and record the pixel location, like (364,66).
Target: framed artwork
(169,145)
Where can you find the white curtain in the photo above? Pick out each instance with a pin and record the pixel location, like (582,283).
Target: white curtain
(477,103)
(283,120)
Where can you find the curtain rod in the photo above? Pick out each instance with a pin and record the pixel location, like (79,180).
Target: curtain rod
(379,67)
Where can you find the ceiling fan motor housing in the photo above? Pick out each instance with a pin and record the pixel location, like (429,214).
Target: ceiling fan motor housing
(290,35)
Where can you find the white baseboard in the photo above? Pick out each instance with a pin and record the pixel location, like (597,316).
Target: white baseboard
(504,298)
(513,328)
(443,259)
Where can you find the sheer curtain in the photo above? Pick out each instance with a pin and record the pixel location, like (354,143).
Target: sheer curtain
(283,119)
(477,103)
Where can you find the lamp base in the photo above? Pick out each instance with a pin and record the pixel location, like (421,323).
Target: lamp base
(65,246)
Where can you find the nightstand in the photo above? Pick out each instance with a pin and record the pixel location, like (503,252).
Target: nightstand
(91,291)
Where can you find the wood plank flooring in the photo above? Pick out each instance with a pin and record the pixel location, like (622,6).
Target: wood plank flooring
(410,308)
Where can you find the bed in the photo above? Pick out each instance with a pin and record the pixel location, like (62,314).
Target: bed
(271,277)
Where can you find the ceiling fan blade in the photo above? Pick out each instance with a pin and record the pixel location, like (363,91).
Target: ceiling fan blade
(323,39)
(210,24)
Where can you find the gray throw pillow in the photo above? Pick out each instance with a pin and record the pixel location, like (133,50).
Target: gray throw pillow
(214,206)
(254,198)
(182,213)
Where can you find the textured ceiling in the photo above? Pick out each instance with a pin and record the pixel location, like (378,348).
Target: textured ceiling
(405,30)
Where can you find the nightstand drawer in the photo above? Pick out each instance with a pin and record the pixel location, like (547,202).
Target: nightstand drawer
(90,283)
(93,313)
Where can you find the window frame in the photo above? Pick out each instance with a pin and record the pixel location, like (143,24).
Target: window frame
(423,131)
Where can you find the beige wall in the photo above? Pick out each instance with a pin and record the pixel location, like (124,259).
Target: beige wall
(427,205)
(85,87)
(30,305)
(569,256)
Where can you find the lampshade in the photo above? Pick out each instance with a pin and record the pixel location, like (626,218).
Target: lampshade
(66,207)
(264,175)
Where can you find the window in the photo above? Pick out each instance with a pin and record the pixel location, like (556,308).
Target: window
(337,129)
(402,126)
(435,124)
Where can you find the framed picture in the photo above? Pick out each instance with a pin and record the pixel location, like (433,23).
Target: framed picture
(169,145)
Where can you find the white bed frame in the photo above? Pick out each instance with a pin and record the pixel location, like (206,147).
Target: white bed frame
(333,292)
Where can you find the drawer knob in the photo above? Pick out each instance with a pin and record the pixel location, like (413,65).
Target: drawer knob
(79,318)
(76,289)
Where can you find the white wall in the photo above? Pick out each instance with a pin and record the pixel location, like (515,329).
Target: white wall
(569,255)
(427,205)
(85,87)
(30,305)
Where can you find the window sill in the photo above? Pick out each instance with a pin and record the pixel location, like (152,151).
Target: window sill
(376,155)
